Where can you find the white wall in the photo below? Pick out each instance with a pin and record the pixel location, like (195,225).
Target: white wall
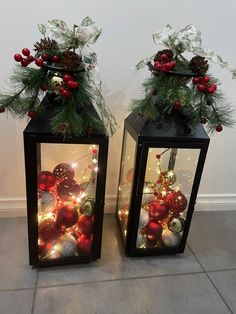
(127,29)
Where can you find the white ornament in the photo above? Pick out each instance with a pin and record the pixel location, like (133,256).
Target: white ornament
(143,218)
(66,245)
(141,241)
(48,202)
(171,239)
(176,225)
(147,195)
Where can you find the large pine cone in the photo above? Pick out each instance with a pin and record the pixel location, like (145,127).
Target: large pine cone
(46,45)
(70,60)
(169,53)
(199,65)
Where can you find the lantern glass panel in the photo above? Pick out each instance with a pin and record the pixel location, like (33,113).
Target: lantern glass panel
(169,177)
(67,176)
(126,179)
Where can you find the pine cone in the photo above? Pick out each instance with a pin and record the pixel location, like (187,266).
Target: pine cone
(70,60)
(169,53)
(46,45)
(199,65)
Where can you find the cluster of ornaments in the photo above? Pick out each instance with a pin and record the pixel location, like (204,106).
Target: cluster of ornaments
(66,214)
(165,64)
(161,223)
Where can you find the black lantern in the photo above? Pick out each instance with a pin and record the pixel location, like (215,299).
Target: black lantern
(65,181)
(161,167)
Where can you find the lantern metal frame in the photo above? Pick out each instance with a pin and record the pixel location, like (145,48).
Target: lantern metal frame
(38,131)
(169,134)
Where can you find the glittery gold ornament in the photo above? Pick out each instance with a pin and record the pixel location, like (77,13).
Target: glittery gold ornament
(170,177)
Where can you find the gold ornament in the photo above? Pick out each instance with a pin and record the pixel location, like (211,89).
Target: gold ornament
(170,177)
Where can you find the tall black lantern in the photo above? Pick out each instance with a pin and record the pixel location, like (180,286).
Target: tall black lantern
(65,181)
(161,168)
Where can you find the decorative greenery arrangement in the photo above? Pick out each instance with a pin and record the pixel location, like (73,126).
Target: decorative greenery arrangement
(182,87)
(64,68)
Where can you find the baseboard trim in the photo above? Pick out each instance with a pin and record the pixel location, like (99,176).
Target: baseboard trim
(16,207)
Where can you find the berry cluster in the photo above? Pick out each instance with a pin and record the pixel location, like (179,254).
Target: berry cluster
(69,84)
(165,65)
(204,85)
(27,58)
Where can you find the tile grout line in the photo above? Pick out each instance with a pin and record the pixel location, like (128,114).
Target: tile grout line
(118,279)
(211,281)
(35,290)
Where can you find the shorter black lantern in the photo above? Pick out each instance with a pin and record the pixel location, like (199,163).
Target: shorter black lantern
(65,181)
(160,172)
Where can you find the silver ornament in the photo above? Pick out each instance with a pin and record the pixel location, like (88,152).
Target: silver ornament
(87,208)
(143,218)
(147,195)
(141,241)
(170,176)
(170,239)
(89,188)
(176,225)
(48,202)
(66,245)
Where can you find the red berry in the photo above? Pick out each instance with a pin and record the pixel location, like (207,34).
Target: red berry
(201,88)
(94,151)
(25,52)
(206,79)
(2,109)
(44,87)
(24,62)
(168,66)
(212,88)
(55,58)
(173,64)
(67,77)
(164,68)
(30,58)
(32,114)
(18,57)
(44,56)
(158,156)
(72,84)
(157,65)
(64,92)
(38,62)
(177,104)
(195,80)
(164,57)
(219,128)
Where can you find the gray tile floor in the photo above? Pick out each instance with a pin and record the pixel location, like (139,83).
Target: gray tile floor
(202,280)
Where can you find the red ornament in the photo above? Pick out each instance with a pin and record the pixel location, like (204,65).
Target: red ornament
(64,171)
(159,209)
(55,58)
(158,156)
(94,151)
(84,244)
(201,88)
(219,128)
(64,92)
(38,62)
(177,104)
(25,52)
(48,230)
(66,216)
(72,84)
(67,189)
(85,224)
(46,180)
(44,88)
(67,77)
(164,57)
(2,109)
(154,230)
(44,56)
(212,88)
(196,80)
(18,57)
(32,114)
(24,62)
(178,201)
